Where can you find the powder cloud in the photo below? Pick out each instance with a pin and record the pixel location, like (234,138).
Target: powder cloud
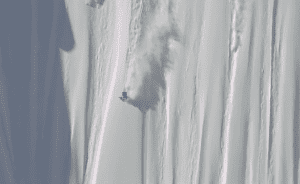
(148,62)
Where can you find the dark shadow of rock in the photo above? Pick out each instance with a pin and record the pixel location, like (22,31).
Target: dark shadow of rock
(31,35)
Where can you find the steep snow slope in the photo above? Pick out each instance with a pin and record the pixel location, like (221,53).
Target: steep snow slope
(213,91)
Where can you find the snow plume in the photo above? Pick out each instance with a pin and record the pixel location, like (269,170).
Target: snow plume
(149,59)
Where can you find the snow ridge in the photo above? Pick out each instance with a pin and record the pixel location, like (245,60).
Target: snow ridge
(235,43)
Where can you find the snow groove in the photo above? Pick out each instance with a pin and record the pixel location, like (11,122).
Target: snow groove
(273,96)
(235,43)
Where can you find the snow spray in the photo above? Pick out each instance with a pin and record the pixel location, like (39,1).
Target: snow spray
(145,75)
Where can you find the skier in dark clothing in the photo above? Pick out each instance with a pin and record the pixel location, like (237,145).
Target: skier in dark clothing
(124,96)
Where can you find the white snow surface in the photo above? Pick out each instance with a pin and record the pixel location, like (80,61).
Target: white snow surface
(213,91)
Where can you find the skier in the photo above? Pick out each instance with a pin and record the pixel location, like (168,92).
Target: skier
(124,96)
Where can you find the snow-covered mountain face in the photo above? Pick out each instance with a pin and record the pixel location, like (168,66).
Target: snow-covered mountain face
(212,86)
(212,91)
